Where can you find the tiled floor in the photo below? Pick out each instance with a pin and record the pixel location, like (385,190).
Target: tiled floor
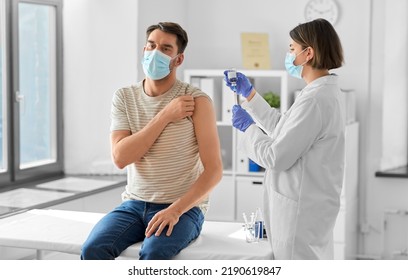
(41,194)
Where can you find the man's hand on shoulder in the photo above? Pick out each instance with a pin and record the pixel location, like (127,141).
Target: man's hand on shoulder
(179,108)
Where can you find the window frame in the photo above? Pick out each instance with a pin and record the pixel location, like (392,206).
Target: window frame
(14,174)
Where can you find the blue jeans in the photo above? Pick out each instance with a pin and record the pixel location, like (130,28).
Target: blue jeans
(126,225)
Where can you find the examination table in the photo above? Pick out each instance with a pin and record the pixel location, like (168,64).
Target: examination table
(65,231)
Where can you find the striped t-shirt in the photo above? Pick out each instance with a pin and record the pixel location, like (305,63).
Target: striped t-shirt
(172,164)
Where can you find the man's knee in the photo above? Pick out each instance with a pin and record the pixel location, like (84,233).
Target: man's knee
(159,249)
(96,251)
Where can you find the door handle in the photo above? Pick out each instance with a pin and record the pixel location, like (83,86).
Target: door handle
(256,183)
(19,97)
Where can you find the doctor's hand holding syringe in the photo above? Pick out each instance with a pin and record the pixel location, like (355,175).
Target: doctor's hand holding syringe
(241,85)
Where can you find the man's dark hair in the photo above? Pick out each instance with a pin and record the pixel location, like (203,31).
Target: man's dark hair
(172,28)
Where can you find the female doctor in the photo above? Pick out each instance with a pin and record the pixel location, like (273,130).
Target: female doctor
(302,150)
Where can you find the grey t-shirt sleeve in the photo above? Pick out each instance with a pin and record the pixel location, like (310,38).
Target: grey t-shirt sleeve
(119,118)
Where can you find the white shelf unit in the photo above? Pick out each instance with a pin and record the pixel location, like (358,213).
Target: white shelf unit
(239,190)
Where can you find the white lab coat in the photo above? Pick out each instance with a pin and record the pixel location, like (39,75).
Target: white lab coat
(303,154)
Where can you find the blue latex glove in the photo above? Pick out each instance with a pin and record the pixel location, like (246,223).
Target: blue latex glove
(244,86)
(240,118)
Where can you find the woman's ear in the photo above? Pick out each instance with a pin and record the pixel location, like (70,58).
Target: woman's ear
(310,53)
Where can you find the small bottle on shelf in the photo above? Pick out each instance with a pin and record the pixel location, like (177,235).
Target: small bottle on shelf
(259,224)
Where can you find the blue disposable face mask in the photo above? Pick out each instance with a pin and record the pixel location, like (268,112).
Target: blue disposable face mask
(294,70)
(156,65)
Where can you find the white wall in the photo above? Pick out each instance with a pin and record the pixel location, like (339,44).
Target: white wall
(386,140)
(103,43)
(395,85)
(100,56)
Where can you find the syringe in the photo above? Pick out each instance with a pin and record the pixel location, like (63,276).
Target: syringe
(232,78)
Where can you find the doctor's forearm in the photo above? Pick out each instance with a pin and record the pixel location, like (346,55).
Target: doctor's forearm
(264,116)
(251,95)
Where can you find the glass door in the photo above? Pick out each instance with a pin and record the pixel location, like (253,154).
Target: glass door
(36,93)
(37,84)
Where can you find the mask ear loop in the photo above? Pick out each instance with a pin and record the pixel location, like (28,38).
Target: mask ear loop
(172,59)
(177,57)
(301,53)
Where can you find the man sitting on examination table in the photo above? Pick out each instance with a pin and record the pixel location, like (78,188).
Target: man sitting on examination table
(164,132)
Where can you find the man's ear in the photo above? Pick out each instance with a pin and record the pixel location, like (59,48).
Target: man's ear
(180,59)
